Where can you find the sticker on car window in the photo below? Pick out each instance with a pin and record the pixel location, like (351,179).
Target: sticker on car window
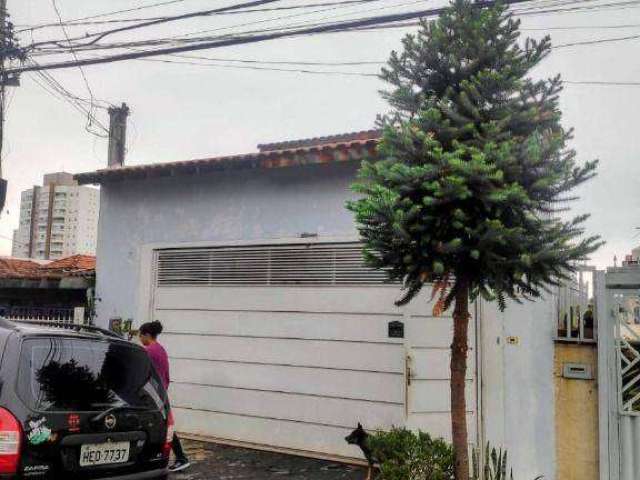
(38,432)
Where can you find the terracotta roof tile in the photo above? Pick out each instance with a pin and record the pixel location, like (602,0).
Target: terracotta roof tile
(17,268)
(27,269)
(72,264)
(305,152)
(317,141)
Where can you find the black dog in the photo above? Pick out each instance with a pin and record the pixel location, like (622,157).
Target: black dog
(360,438)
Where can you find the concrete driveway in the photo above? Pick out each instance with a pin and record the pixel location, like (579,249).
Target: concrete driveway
(219,462)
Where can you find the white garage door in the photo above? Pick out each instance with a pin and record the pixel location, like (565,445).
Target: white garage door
(288,346)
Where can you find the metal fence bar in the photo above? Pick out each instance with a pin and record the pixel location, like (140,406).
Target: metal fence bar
(54,315)
(572,308)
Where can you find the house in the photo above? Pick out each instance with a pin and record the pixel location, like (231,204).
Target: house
(279,336)
(45,289)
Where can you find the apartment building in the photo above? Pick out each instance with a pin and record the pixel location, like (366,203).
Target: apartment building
(57,219)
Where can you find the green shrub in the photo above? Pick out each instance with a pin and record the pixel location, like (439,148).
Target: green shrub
(404,455)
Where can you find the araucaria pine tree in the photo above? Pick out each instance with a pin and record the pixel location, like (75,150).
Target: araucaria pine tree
(472,173)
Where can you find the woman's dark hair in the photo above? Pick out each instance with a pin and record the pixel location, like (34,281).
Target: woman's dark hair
(151,328)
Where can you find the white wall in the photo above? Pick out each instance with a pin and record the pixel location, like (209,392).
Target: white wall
(247,205)
(518,385)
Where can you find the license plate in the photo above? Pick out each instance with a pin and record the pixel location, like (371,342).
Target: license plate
(92,454)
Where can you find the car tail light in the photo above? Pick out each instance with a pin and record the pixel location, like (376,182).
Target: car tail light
(10,439)
(166,450)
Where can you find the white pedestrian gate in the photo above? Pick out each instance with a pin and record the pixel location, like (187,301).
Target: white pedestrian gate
(618,310)
(288,346)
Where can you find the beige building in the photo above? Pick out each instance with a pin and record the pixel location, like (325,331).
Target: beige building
(57,219)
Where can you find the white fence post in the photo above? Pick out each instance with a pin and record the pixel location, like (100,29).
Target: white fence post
(607,381)
(78,315)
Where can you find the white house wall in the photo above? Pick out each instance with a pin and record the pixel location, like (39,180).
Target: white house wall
(517,383)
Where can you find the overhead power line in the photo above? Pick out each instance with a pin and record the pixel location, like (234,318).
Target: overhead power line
(53,88)
(281,62)
(72,23)
(159,42)
(108,14)
(281,28)
(86,19)
(524,29)
(583,27)
(177,38)
(277,34)
(582,8)
(541,9)
(183,38)
(276,66)
(255,67)
(543,4)
(533,10)
(597,41)
(20,28)
(203,13)
(48,83)
(188,37)
(602,83)
(260,67)
(344,73)
(243,40)
(90,114)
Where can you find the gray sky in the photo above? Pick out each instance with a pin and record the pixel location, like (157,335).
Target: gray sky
(182,112)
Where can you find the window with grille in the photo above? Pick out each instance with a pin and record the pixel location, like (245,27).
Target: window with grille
(276,265)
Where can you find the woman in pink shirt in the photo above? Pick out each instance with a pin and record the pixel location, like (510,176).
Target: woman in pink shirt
(149,338)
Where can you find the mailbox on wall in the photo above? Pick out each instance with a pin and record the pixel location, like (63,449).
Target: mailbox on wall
(577,371)
(396,329)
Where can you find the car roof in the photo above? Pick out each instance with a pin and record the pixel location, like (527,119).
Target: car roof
(29,328)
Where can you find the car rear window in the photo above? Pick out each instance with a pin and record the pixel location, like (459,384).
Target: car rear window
(70,374)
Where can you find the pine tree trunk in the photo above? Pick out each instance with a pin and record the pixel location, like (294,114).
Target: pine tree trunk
(459,349)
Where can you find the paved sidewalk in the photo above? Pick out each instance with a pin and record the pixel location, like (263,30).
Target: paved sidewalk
(219,462)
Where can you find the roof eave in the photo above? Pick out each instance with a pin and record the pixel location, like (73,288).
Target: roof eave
(338,153)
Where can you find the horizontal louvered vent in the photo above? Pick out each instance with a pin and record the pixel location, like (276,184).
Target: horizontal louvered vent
(317,264)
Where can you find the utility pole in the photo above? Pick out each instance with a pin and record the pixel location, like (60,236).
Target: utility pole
(117,135)
(3,45)
(9,50)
